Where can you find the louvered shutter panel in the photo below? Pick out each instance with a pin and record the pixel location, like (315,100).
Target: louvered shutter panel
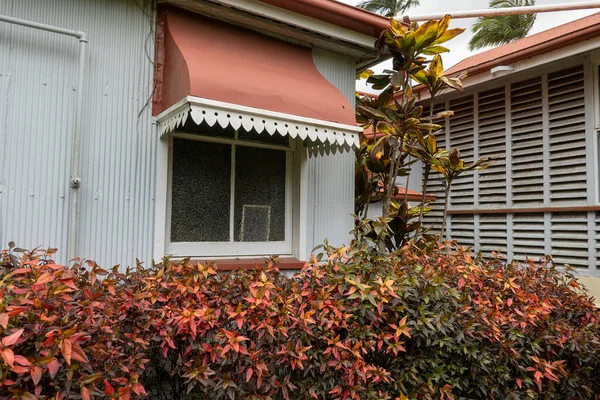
(436,182)
(461,136)
(492,143)
(526,123)
(566,106)
(463,229)
(528,236)
(597,226)
(570,239)
(492,233)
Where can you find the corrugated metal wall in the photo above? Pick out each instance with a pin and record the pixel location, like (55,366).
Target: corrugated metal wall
(38,76)
(332,176)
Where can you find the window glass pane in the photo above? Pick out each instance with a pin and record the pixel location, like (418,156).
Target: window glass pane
(263,137)
(259,195)
(201,184)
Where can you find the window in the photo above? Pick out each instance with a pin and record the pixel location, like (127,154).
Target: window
(230,193)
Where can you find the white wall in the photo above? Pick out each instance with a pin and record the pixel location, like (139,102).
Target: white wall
(38,77)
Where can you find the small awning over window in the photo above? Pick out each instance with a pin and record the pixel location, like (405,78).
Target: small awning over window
(215,72)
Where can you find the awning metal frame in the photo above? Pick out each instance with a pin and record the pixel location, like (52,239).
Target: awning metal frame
(234,115)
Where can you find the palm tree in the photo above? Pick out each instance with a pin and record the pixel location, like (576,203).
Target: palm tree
(387,8)
(495,31)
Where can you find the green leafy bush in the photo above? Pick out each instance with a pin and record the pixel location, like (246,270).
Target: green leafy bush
(414,324)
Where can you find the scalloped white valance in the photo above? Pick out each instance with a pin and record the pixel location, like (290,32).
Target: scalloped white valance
(236,116)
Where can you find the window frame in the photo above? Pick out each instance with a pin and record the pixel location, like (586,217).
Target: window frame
(233,248)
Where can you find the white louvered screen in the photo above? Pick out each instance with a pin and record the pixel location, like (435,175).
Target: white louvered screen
(570,239)
(526,123)
(492,233)
(566,106)
(492,143)
(597,229)
(461,128)
(436,182)
(542,130)
(463,228)
(528,236)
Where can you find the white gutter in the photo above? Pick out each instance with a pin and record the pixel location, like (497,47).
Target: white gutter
(495,12)
(75,180)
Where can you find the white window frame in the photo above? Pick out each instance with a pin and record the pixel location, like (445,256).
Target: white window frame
(232,248)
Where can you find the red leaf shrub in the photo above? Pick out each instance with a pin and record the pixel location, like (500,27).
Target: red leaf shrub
(415,324)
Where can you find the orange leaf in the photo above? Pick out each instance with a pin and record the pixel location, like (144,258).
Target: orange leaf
(67,350)
(85,394)
(8,356)
(4,320)
(45,278)
(12,339)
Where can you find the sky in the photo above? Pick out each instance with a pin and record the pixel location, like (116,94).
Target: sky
(458,46)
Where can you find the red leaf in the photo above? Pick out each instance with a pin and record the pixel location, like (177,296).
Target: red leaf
(108,389)
(8,356)
(20,370)
(22,361)
(4,320)
(53,367)
(67,350)
(14,310)
(249,372)
(36,374)
(12,339)
(78,354)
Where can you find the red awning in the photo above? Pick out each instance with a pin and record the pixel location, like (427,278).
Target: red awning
(213,60)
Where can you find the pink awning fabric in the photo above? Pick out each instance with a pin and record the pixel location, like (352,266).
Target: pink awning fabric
(214,60)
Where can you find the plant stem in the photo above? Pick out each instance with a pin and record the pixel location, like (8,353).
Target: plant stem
(447,197)
(424,190)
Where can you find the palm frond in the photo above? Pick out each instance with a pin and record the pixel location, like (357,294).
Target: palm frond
(388,8)
(495,31)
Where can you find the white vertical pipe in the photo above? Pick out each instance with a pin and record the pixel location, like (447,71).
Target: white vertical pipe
(75,179)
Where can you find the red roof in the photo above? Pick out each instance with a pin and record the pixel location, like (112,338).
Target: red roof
(337,13)
(541,43)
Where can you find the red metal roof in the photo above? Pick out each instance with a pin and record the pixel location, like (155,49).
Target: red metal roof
(543,42)
(203,57)
(337,13)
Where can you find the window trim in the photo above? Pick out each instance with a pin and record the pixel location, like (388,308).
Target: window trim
(233,249)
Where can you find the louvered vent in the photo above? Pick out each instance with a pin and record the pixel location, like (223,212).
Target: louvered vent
(462,229)
(526,122)
(597,227)
(570,239)
(492,143)
(492,233)
(461,137)
(566,101)
(528,236)
(436,183)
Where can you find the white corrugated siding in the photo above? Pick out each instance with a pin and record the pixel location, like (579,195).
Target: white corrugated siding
(38,75)
(331,177)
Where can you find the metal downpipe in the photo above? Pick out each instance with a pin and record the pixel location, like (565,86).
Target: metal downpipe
(75,179)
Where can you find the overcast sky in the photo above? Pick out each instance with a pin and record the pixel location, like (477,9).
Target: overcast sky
(458,46)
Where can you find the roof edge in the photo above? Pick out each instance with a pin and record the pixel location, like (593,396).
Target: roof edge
(571,38)
(336,13)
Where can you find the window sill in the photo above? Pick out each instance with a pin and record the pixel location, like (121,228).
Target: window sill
(232,264)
